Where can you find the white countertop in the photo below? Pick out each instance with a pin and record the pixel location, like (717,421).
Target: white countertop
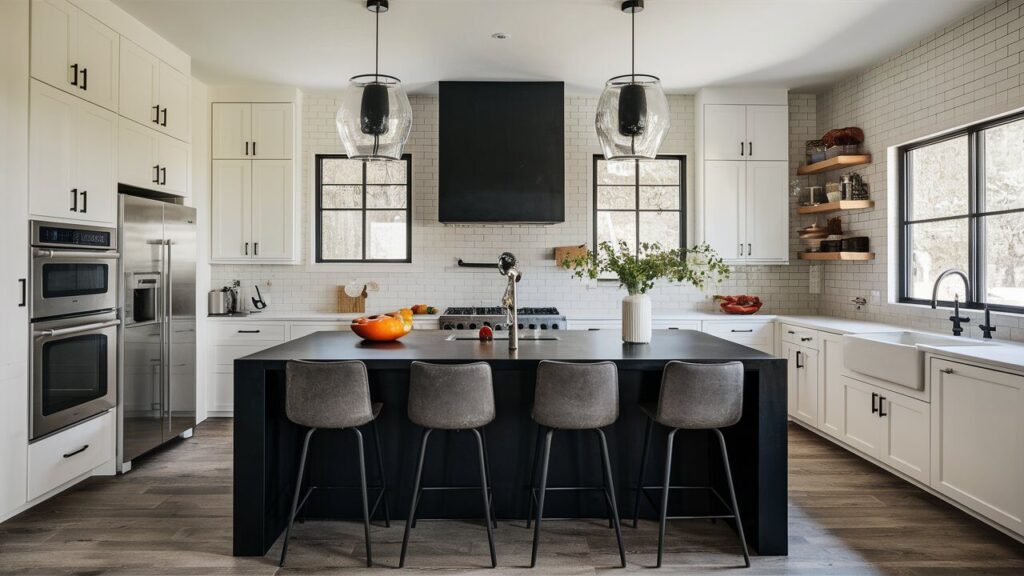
(840,325)
(1006,355)
(308,317)
(676,316)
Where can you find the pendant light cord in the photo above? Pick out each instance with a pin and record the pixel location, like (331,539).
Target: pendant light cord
(632,53)
(376,48)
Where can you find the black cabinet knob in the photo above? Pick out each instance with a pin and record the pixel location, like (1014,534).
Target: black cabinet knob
(459,326)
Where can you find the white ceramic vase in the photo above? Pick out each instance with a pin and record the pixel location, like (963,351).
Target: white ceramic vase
(636,319)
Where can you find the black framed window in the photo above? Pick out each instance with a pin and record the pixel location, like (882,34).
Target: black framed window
(638,201)
(962,206)
(363,209)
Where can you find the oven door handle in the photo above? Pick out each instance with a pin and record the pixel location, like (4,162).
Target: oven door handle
(75,329)
(75,254)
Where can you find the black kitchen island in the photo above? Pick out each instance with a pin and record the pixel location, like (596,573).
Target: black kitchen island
(267,445)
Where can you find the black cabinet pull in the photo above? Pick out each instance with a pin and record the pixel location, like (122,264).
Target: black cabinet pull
(74,199)
(747,330)
(741,149)
(751,145)
(248,331)
(79,451)
(246,147)
(24,292)
(74,74)
(85,201)
(163,176)
(256,249)
(798,364)
(806,339)
(874,400)
(156,174)
(156,117)
(164,121)
(750,250)
(246,248)
(881,407)
(85,79)
(254,148)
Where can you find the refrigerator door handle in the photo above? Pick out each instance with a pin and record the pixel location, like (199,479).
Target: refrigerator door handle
(168,331)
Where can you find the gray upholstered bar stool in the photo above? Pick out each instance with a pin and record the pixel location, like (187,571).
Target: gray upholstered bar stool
(694,397)
(334,396)
(575,396)
(451,397)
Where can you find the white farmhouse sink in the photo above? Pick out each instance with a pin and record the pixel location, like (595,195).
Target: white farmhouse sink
(894,356)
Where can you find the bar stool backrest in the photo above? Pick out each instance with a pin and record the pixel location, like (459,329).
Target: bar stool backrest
(700,396)
(327,394)
(576,396)
(451,396)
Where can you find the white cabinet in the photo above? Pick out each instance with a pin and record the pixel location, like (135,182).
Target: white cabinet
(890,427)
(252,131)
(69,454)
(746,210)
(253,207)
(72,157)
(148,159)
(977,449)
(74,52)
(802,383)
(153,93)
(742,132)
(831,405)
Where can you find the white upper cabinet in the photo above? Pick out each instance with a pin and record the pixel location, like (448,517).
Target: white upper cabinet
(173,157)
(725,185)
(253,209)
(72,157)
(725,132)
(232,206)
(74,52)
(767,133)
(272,202)
(252,131)
(767,204)
(152,92)
(137,163)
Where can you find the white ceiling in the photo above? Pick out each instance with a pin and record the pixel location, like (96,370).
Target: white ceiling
(319,44)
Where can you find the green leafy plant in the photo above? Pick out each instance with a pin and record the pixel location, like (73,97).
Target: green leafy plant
(638,272)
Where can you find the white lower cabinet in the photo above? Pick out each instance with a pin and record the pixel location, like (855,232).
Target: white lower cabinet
(756,334)
(977,449)
(69,454)
(831,404)
(802,382)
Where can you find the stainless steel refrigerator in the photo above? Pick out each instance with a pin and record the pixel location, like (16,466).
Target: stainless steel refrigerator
(157,396)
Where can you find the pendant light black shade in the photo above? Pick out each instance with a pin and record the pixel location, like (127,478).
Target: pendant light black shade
(374,110)
(632,110)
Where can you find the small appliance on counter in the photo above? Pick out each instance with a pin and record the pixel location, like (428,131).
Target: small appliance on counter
(226,301)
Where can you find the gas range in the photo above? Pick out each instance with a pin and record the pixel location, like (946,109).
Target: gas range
(470,318)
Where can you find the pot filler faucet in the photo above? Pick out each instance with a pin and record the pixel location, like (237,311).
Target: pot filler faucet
(955,318)
(507,268)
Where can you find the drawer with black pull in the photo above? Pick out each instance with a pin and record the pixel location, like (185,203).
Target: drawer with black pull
(753,333)
(241,333)
(800,336)
(68,454)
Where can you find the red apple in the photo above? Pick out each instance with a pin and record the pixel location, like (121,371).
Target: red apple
(486,334)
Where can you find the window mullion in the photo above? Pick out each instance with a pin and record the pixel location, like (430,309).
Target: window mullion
(975,151)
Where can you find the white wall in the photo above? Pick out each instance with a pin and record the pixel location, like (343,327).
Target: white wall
(964,73)
(434,278)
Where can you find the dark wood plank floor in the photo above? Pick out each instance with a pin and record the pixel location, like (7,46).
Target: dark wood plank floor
(172,515)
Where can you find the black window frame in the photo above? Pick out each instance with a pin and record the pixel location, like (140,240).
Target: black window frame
(318,166)
(681,159)
(975,215)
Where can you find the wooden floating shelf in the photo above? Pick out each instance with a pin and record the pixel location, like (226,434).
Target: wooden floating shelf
(833,206)
(834,164)
(837,255)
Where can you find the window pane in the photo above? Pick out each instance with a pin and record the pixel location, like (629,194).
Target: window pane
(661,228)
(385,235)
(342,235)
(939,180)
(386,172)
(1004,168)
(342,171)
(659,198)
(615,227)
(385,196)
(659,171)
(1004,259)
(616,197)
(616,172)
(342,196)
(935,247)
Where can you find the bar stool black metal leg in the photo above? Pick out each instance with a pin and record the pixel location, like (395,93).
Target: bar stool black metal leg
(366,502)
(298,492)
(487,498)
(640,475)
(415,495)
(490,485)
(380,471)
(533,476)
(540,498)
(611,495)
(664,494)
(732,497)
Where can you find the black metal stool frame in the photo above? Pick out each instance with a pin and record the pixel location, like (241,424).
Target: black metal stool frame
(666,488)
(368,512)
(537,495)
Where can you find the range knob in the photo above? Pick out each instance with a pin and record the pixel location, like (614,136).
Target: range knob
(472,325)
(448,326)
(554,326)
(543,326)
(521,326)
(488,324)
(498,327)
(459,326)
(533,326)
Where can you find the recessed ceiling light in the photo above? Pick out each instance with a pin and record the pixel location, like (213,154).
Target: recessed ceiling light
(501,36)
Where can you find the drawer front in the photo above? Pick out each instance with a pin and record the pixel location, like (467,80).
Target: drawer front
(243,332)
(57,459)
(742,332)
(800,336)
(676,325)
(226,355)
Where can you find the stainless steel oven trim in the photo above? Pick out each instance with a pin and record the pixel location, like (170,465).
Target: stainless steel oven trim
(37,224)
(105,323)
(50,307)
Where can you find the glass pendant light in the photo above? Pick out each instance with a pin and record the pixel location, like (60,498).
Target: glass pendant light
(632,114)
(375,117)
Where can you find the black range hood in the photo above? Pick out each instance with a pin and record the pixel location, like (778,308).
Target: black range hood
(502,152)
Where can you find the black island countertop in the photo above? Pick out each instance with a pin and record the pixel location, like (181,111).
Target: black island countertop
(267,444)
